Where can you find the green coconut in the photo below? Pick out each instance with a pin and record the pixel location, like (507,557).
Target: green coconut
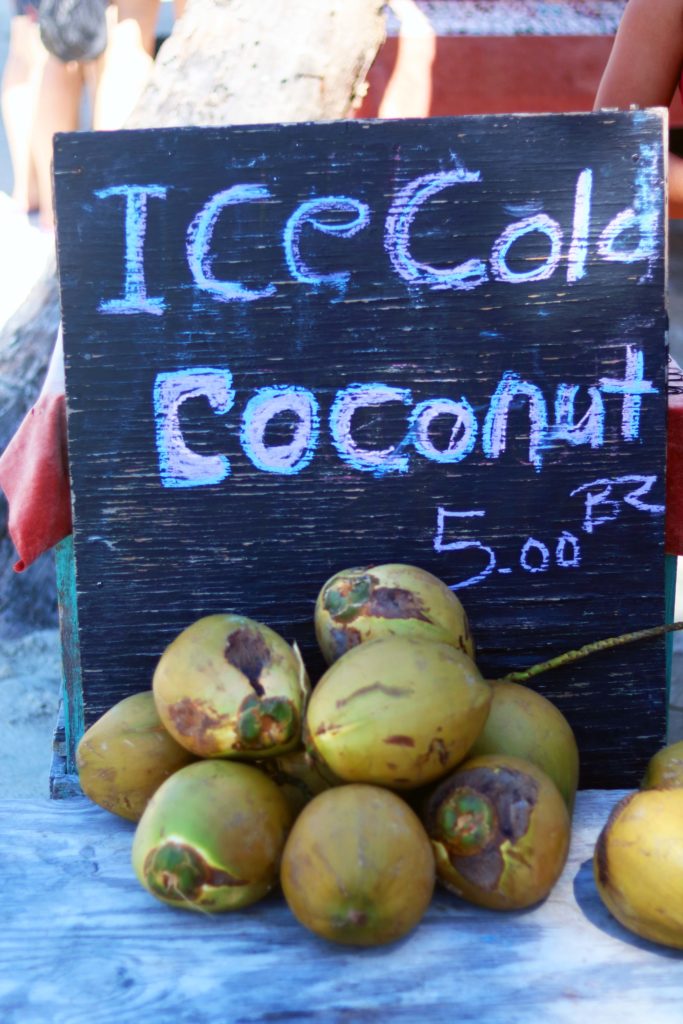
(524,723)
(665,768)
(500,831)
(638,864)
(358,867)
(211,837)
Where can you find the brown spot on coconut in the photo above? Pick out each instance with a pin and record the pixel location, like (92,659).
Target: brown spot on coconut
(500,831)
(212,836)
(229,686)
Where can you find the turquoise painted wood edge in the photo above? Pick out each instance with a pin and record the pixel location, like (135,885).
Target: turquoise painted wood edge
(670,567)
(72,685)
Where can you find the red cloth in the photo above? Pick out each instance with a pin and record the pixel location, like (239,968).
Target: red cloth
(674,477)
(34,474)
(34,471)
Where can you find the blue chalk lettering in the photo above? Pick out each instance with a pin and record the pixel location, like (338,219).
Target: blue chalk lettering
(501,247)
(198,245)
(495,425)
(290,458)
(440,545)
(644,216)
(398,226)
(308,213)
(568,551)
(590,429)
(179,466)
(632,387)
(531,544)
(135,298)
(346,403)
(463,432)
(599,494)
(578,247)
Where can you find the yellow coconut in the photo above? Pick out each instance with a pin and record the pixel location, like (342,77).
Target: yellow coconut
(399,711)
(358,867)
(362,604)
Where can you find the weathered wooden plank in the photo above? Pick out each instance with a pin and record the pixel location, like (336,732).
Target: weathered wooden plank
(322,376)
(81,941)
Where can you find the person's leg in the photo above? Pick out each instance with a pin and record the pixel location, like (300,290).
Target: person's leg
(127,62)
(20,85)
(58,110)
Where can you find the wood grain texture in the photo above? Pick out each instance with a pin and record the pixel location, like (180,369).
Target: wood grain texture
(254,63)
(82,942)
(152,558)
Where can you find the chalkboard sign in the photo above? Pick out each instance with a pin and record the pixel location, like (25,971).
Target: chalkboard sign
(292,349)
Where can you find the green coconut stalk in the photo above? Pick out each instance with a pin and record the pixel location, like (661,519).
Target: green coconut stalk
(608,644)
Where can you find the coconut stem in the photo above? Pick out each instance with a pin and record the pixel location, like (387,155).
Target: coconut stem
(569,657)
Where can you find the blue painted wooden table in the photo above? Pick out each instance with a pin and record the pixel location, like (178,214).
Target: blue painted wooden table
(81,942)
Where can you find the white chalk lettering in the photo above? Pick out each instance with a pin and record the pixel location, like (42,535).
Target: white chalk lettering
(345,405)
(578,247)
(495,425)
(632,387)
(539,561)
(642,218)
(397,234)
(501,247)
(568,551)
(590,429)
(440,429)
(463,432)
(615,243)
(602,494)
(440,544)
(267,403)
(179,466)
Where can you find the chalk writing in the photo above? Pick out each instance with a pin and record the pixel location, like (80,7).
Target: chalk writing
(607,495)
(410,201)
(179,467)
(308,213)
(604,495)
(294,348)
(261,410)
(200,235)
(135,298)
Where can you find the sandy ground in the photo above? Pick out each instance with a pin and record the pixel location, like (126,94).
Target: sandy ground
(30,682)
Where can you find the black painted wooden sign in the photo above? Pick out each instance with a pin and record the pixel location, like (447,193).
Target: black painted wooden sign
(292,349)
